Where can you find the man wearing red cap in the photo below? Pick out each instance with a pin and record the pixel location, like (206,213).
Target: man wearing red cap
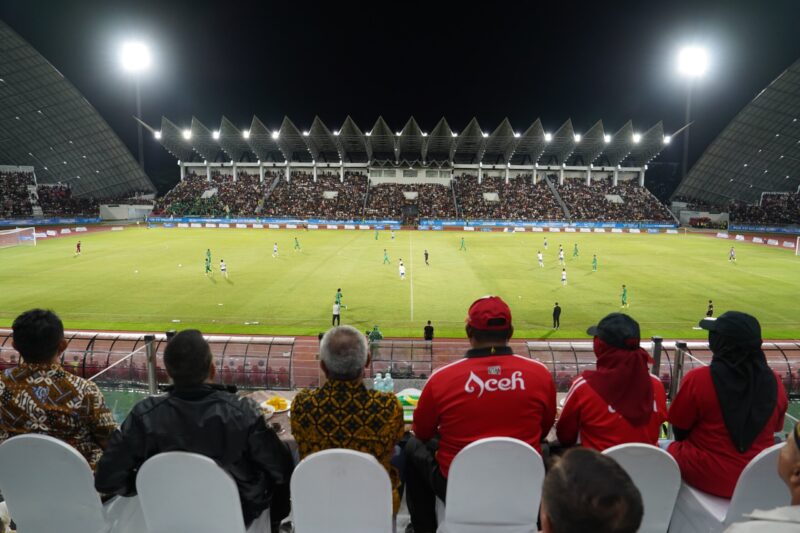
(621,401)
(489,393)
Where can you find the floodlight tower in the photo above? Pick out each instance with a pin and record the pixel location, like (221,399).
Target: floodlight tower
(692,64)
(135,59)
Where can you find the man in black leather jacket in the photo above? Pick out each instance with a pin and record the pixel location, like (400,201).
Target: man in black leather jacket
(199,417)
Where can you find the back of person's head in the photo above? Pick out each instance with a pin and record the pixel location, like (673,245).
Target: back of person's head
(188,358)
(489,321)
(37,335)
(343,353)
(588,491)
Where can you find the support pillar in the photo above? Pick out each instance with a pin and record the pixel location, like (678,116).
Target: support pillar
(260,172)
(641,177)
(208,172)
(616,176)
(315,172)
(183,170)
(480,175)
(561,176)
(288,172)
(589,177)
(507,174)
(341,171)
(233,166)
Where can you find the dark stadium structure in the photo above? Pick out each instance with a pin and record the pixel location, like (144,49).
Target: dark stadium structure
(759,151)
(47,124)
(442,147)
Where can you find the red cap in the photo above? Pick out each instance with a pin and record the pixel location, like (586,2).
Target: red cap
(489,313)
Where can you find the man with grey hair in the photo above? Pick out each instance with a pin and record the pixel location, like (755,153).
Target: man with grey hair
(343,413)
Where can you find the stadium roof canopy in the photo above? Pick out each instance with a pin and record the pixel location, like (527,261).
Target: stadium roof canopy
(759,151)
(46,123)
(410,144)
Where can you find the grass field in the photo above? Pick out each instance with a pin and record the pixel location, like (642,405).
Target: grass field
(143,279)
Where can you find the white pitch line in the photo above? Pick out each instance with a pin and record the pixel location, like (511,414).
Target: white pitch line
(411,271)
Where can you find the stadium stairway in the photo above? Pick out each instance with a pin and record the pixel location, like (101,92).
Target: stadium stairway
(557,197)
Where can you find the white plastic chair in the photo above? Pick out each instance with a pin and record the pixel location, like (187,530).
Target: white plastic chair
(48,486)
(494,484)
(341,491)
(658,478)
(759,487)
(181,491)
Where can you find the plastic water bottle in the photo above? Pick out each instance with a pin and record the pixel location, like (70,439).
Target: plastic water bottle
(388,383)
(377,382)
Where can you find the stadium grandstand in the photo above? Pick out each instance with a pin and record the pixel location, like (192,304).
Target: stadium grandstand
(752,169)
(60,155)
(412,174)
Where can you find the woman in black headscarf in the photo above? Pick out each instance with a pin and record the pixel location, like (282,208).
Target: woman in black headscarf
(726,413)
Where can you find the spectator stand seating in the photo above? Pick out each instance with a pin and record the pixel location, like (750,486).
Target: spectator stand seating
(658,478)
(759,487)
(494,484)
(341,491)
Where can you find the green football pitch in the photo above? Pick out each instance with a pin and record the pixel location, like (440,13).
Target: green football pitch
(153,280)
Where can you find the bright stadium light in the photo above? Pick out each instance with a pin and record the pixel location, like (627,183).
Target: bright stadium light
(187,134)
(135,56)
(636,138)
(157,135)
(606,138)
(517,134)
(246,134)
(215,134)
(336,133)
(485,134)
(369,133)
(693,61)
(306,134)
(548,137)
(667,139)
(577,137)
(275,134)
(454,134)
(397,133)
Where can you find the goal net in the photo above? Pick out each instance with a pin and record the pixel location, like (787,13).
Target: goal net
(17,237)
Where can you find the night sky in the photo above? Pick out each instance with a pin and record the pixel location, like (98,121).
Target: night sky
(609,60)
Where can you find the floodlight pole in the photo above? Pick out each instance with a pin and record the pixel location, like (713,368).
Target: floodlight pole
(687,118)
(139,123)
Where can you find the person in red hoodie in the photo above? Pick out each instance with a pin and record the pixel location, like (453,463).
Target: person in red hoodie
(619,402)
(710,439)
(491,392)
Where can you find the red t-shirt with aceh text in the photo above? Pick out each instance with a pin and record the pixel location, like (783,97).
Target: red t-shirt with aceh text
(485,395)
(707,458)
(587,415)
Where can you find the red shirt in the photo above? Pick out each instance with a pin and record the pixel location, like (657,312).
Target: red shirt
(708,459)
(485,395)
(588,416)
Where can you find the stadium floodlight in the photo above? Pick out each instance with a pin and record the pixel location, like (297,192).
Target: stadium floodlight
(485,134)
(577,137)
(215,134)
(424,134)
(517,134)
(336,132)
(454,134)
(157,135)
(306,134)
(397,133)
(246,134)
(667,139)
(548,137)
(606,138)
(368,133)
(187,134)
(135,56)
(636,138)
(693,61)
(275,135)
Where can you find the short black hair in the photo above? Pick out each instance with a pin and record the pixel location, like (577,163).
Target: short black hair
(188,358)
(488,336)
(37,334)
(588,491)
(429,322)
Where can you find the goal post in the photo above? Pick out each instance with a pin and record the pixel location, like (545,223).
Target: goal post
(17,237)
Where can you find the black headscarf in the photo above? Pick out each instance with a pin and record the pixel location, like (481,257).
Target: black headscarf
(745,385)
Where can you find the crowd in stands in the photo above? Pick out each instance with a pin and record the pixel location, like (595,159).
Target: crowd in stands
(776,209)
(616,402)
(302,197)
(433,200)
(591,203)
(519,199)
(57,200)
(15,198)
